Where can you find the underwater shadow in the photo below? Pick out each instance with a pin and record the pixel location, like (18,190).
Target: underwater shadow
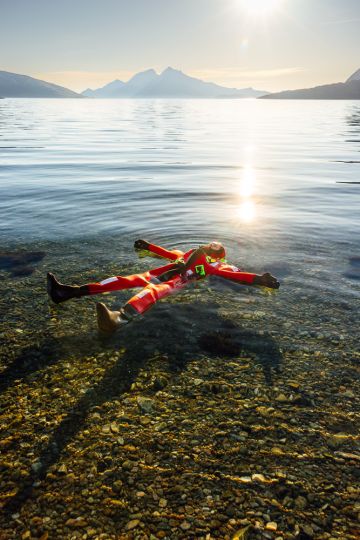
(234,341)
(165,329)
(33,359)
(353,270)
(20,263)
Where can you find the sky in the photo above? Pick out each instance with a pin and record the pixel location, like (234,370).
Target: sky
(267,44)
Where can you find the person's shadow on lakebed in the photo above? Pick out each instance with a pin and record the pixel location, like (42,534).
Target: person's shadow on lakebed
(168,334)
(20,263)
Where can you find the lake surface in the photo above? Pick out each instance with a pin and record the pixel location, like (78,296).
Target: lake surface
(262,176)
(178,168)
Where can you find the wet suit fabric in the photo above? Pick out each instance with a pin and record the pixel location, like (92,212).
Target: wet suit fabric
(165,280)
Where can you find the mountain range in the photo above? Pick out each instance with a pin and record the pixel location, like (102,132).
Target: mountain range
(22,86)
(171,83)
(350,89)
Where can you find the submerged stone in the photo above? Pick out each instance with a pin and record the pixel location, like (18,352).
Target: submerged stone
(145,404)
(132,524)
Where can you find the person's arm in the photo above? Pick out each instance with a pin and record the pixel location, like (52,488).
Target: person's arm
(158,250)
(247,278)
(180,266)
(193,257)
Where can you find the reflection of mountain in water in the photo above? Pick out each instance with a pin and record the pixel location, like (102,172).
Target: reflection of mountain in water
(353,121)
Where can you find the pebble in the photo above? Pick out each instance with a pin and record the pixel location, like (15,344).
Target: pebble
(114,428)
(335,441)
(145,404)
(160,382)
(37,466)
(271,526)
(77,522)
(300,503)
(241,534)
(308,530)
(277,451)
(258,478)
(347,394)
(132,524)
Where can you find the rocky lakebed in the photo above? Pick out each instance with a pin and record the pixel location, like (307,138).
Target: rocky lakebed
(224,413)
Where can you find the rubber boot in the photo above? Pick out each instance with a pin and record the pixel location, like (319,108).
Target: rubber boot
(109,321)
(60,293)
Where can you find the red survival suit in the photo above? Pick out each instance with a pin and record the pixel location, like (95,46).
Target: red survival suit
(160,282)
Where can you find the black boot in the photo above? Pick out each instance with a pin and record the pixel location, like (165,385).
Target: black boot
(60,293)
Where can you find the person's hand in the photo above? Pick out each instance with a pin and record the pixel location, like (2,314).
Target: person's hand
(178,269)
(141,244)
(267,280)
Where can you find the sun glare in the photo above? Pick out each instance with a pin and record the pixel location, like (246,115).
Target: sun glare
(260,8)
(247,182)
(246,209)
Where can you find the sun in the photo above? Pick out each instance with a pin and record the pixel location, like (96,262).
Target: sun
(260,8)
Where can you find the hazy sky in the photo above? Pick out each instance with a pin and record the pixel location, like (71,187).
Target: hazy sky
(268,44)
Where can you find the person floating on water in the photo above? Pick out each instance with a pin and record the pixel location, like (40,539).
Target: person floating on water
(158,283)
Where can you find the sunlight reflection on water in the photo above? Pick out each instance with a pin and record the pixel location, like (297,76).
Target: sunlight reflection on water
(257,172)
(247,187)
(247,211)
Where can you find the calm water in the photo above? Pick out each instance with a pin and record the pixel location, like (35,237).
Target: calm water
(260,175)
(80,181)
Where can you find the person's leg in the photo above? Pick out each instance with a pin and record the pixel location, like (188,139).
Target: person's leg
(60,293)
(146,298)
(109,321)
